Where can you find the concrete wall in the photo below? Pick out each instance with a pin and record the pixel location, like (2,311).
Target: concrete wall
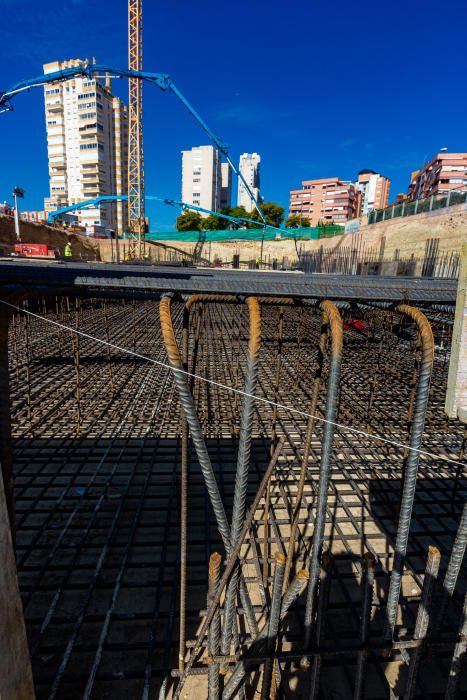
(456,398)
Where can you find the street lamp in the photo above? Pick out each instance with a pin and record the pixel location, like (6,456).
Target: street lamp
(422,174)
(17,192)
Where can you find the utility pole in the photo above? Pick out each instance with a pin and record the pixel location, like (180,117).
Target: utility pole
(18,192)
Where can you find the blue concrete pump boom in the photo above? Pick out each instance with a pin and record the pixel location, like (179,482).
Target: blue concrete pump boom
(161,80)
(91,203)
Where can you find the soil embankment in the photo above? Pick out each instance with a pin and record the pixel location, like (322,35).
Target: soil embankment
(403,236)
(83,248)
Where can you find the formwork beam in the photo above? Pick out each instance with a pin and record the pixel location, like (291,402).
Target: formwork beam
(15,667)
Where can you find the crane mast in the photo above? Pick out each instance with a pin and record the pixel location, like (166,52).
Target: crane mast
(136,220)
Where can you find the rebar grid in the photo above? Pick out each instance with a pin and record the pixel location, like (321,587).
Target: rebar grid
(97,509)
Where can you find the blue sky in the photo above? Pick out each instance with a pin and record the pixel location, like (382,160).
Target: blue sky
(317,88)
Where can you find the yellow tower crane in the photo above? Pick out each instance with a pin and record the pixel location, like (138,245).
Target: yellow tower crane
(136,219)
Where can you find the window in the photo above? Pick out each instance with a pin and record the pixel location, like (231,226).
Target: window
(85,95)
(196,179)
(53,91)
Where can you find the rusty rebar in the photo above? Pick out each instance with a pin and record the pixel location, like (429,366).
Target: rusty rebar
(423,618)
(229,567)
(458,657)
(189,409)
(454,565)
(267,504)
(368,582)
(183,501)
(243,462)
(290,596)
(214,628)
(306,447)
(273,624)
(336,334)
(320,626)
(412,461)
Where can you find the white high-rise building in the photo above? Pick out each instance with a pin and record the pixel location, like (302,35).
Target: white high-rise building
(226,186)
(201,177)
(249,168)
(87,141)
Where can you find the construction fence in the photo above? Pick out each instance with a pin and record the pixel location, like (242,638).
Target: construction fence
(438,201)
(247,234)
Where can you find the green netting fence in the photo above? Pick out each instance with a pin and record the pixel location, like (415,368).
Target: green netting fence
(249,234)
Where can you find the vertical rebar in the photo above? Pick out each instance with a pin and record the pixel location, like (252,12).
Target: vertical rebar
(6,450)
(183,499)
(335,323)
(108,347)
(189,408)
(306,448)
(368,581)
(423,618)
(243,461)
(290,596)
(27,364)
(267,504)
(273,624)
(454,566)
(458,656)
(411,464)
(214,628)
(76,362)
(231,564)
(321,615)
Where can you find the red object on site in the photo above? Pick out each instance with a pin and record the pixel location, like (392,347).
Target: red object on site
(354,324)
(35,250)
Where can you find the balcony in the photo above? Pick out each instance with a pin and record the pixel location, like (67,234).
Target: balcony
(54,109)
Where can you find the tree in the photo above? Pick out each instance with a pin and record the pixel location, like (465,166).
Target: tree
(296,221)
(273,213)
(238,212)
(189,221)
(211,223)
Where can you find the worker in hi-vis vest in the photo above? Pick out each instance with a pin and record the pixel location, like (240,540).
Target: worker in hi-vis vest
(68,251)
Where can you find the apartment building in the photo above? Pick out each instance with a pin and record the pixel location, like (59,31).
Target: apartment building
(374,190)
(326,201)
(201,177)
(444,173)
(226,186)
(87,142)
(249,167)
